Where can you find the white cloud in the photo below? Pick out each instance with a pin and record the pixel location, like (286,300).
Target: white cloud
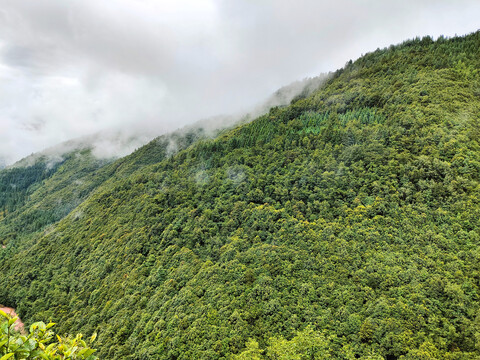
(71,68)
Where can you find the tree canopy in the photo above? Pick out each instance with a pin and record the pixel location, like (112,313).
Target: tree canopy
(343,226)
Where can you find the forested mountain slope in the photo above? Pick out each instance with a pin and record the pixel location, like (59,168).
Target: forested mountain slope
(44,187)
(36,195)
(40,190)
(343,226)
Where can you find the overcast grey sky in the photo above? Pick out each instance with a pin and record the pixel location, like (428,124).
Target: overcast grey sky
(72,68)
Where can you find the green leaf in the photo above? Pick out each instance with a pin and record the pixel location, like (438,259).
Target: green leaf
(86,352)
(38,325)
(4,314)
(7,356)
(93,337)
(22,354)
(39,354)
(30,345)
(12,320)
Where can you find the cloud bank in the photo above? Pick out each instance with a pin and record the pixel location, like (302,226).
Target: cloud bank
(73,68)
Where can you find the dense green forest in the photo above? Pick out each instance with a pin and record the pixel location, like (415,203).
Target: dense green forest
(343,226)
(37,193)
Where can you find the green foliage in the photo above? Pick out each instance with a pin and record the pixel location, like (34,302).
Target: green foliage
(40,343)
(305,345)
(35,196)
(15,182)
(44,193)
(344,225)
(252,352)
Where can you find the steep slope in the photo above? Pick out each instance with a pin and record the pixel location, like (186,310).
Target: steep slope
(351,215)
(37,194)
(40,190)
(33,201)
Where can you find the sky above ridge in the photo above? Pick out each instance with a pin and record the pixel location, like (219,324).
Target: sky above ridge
(77,67)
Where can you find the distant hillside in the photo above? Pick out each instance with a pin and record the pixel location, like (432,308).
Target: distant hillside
(31,200)
(343,226)
(41,189)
